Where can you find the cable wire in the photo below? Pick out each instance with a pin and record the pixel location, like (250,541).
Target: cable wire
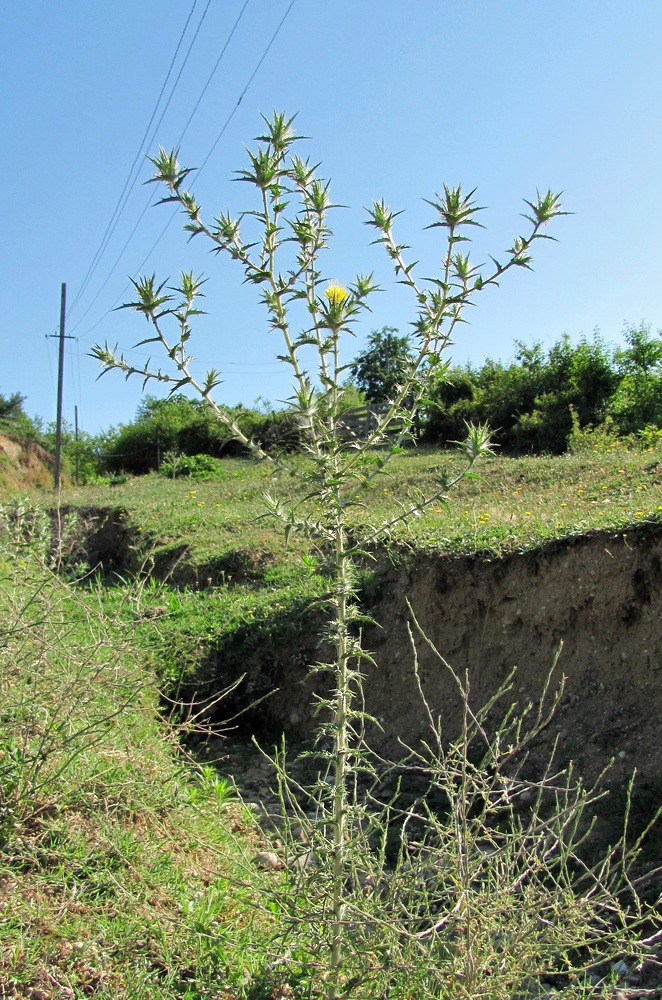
(149,200)
(213,72)
(241,96)
(198,172)
(130,181)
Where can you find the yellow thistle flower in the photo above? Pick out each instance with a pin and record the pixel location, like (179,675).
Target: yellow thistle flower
(336,295)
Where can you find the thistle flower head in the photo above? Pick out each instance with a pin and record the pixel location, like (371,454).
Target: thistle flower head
(336,295)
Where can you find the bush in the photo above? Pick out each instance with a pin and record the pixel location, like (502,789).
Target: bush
(589,440)
(637,401)
(186,427)
(14,419)
(202,468)
(530,402)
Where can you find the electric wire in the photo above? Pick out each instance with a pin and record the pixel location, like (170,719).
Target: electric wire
(148,204)
(130,180)
(198,172)
(241,96)
(149,142)
(213,73)
(174,86)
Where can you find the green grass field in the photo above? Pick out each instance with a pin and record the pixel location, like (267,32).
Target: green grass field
(125,867)
(515,504)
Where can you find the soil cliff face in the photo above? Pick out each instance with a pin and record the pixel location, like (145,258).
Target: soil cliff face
(600,595)
(23,465)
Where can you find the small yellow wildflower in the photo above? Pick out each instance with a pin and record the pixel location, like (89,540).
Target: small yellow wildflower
(336,295)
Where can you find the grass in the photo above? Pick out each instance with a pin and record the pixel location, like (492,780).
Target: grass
(134,880)
(119,860)
(238,594)
(516,504)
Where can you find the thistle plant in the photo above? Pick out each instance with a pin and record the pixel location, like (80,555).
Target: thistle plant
(310,316)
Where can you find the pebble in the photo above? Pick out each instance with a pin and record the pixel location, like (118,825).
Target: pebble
(620,968)
(267,859)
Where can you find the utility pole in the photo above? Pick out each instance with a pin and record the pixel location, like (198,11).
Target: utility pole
(60,375)
(76,437)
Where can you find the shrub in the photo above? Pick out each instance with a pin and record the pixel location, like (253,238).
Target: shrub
(14,419)
(530,401)
(637,402)
(199,467)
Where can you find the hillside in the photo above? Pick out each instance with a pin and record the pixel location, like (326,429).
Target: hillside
(24,465)
(127,872)
(536,552)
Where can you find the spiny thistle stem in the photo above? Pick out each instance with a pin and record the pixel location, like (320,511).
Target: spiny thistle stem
(341,754)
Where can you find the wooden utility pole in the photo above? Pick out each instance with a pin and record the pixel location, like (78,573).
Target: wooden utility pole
(76,437)
(60,375)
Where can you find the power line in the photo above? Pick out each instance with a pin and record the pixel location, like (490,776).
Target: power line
(148,204)
(113,269)
(174,86)
(198,172)
(213,72)
(130,181)
(241,96)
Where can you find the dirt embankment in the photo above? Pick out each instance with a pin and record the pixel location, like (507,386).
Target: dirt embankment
(23,465)
(600,595)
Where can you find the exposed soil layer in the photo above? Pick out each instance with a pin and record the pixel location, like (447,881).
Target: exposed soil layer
(108,540)
(599,595)
(23,465)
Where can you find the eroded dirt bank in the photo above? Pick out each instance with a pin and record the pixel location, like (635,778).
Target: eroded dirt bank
(23,465)
(600,595)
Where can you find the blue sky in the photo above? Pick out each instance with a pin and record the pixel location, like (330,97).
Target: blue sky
(397,98)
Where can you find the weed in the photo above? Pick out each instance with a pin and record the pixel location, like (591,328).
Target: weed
(499,903)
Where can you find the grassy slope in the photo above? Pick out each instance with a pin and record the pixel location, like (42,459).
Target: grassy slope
(24,465)
(516,504)
(113,852)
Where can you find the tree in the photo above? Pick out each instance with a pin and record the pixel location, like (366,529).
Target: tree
(637,402)
(14,418)
(11,406)
(384,366)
